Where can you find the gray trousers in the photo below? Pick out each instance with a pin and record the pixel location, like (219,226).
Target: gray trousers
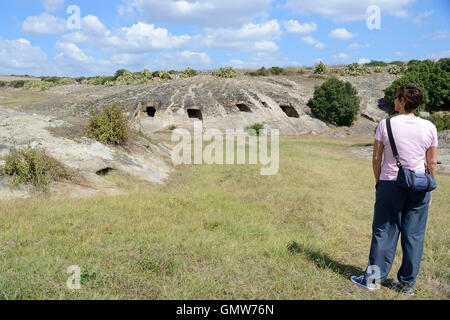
(398,211)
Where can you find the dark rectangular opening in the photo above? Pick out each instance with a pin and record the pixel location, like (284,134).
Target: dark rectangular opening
(194,114)
(289,111)
(243,107)
(150,111)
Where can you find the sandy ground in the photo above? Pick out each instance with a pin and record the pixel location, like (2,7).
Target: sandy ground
(12,78)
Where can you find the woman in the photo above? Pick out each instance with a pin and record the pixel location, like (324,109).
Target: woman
(397,210)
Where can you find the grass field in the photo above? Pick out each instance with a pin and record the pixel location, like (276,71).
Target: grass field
(217,232)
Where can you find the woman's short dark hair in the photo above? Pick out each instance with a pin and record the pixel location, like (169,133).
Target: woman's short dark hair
(413,95)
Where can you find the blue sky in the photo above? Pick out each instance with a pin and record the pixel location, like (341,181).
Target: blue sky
(207,34)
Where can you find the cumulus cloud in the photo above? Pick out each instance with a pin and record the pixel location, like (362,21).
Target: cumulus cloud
(341,57)
(180,60)
(202,12)
(348,10)
(52,5)
(293,26)
(19,56)
(138,38)
(246,38)
(43,24)
(341,34)
(310,40)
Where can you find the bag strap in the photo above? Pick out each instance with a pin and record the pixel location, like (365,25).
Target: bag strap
(392,142)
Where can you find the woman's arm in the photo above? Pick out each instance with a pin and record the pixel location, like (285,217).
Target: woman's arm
(431,157)
(377,157)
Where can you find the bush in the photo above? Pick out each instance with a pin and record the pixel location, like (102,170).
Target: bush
(397,63)
(257,127)
(65,81)
(17,83)
(121,73)
(226,72)
(442,122)
(397,69)
(147,74)
(188,73)
(164,75)
(50,79)
(276,71)
(109,125)
(378,69)
(355,69)
(3,84)
(34,166)
(41,85)
(80,79)
(335,101)
(321,68)
(432,77)
(375,63)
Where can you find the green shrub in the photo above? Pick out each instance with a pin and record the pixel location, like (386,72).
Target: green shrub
(432,77)
(109,126)
(17,83)
(321,68)
(375,63)
(188,73)
(121,73)
(397,63)
(147,74)
(80,79)
(41,85)
(442,122)
(335,101)
(164,75)
(50,79)
(355,69)
(226,72)
(257,127)
(3,84)
(34,166)
(378,69)
(276,71)
(65,81)
(260,72)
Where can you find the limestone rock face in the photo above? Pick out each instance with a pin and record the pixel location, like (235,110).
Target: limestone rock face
(18,129)
(279,102)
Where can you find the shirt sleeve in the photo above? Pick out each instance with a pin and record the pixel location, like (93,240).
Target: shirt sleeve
(434,136)
(380,129)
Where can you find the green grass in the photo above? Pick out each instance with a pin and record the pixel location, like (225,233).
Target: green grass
(216,232)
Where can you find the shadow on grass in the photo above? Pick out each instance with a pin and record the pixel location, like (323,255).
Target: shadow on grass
(323,261)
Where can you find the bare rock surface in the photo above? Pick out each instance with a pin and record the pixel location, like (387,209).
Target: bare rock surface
(18,129)
(279,102)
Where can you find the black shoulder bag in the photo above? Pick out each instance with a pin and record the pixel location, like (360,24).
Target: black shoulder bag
(408,179)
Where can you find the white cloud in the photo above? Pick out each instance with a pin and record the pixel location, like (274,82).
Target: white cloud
(266,46)
(180,60)
(419,18)
(341,34)
(217,13)
(438,55)
(363,61)
(43,24)
(247,38)
(71,53)
(310,40)
(293,26)
(348,10)
(52,5)
(19,57)
(359,46)
(341,57)
(139,38)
